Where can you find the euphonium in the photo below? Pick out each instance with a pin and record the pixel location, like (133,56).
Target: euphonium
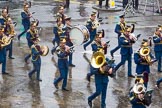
(98,59)
(144,52)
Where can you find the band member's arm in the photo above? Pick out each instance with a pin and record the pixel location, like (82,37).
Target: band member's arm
(29,37)
(55,31)
(62,54)
(137,58)
(94,47)
(118,29)
(123,41)
(89,26)
(24,15)
(156,39)
(35,51)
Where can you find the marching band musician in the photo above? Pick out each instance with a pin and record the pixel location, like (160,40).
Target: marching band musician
(31,35)
(26,15)
(119,29)
(61,14)
(126,41)
(157,39)
(101,83)
(92,29)
(36,52)
(143,65)
(2,51)
(138,96)
(69,43)
(58,31)
(97,45)
(3,17)
(63,52)
(10,32)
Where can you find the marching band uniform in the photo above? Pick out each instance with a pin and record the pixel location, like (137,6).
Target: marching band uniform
(119,29)
(142,66)
(68,27)
(97,45)
(58,31)
(60,14)
(126,50)
(25,20)
(36,60)
(157,39)
(31,35)
(62,54)
(92,30)
(3,17)
(137,99)
(2,52)
(9,31)
(101,83)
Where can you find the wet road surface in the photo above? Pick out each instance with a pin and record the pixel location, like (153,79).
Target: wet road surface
(18,91)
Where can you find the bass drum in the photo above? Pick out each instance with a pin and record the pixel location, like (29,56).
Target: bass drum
(79,34)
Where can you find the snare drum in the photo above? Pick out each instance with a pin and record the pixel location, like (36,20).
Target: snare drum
(79,34)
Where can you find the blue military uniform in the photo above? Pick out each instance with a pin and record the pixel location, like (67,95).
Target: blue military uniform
(30,36)
(136,103)
(62,66)
(69,42)
(96,46)
(3,20)
(7,32)
(126,53)
(58,32)
(119,28)
(142,67)
(158,50)
(89,25)
(36,60)
(25,22)
(3,56)
(101,83)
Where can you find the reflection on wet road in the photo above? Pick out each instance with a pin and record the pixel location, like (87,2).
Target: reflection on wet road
(18,91)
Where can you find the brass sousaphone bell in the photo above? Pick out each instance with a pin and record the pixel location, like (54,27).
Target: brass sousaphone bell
(139,88)
(98,59)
